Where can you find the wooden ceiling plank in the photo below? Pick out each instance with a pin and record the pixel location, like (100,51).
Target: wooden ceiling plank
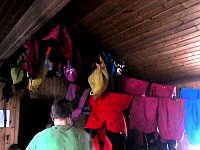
(20,9)
(182,64)
(35,17)
(164,51)
(98,11)
(130,22)
(176,41)
(150,37)
(125,12)
(157,27)
(8,12)
(187,62)
(174,79)
(181,14)
(137,17)
(141,29)
(5,15)
(135,51)
(3,7)
(174,70)
(164,59)
(139,47)
(169,40)
(75,11)
(189,72)
(164,69)
(190,3)
(111,7)
(146,35)
(159,38)
(175,47)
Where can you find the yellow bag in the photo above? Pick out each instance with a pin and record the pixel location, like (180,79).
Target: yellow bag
(34,84)
(99,79)
(17,73)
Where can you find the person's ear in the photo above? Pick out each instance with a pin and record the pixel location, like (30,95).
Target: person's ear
(52,117)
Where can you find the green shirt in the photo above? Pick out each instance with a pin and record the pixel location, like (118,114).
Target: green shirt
(61,138)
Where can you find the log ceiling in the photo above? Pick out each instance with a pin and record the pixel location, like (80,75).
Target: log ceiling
(159,40)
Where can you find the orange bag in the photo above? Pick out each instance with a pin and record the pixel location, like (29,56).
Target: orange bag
(99,79)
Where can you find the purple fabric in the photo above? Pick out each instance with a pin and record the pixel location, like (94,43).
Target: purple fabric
(32,60)
(71,94)
(143,114)
(132,86)
(164,91)
(61,35)
(71,91)
(70,73)
(171,116)
(77,112)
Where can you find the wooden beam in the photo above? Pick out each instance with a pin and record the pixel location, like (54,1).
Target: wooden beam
(33,19)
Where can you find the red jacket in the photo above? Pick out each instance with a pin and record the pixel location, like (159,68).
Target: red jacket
(108,109)
(106,114)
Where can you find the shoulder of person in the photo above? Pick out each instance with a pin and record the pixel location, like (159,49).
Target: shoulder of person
(82,134)
(43,132)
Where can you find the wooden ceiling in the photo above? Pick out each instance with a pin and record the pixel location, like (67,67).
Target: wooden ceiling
(159,40)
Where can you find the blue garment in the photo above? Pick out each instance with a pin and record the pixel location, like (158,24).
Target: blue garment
(192,113)
(190,93)
(192,120)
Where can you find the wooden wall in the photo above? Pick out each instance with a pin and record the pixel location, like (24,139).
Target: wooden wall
(10,135)
(52,87)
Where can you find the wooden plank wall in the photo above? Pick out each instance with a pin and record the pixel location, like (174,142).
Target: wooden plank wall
(10,135)
(54,87)
(51,87)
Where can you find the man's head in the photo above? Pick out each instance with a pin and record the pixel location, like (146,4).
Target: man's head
(61,109)
(14,147)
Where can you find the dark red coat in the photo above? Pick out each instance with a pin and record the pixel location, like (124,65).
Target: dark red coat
(165,91)
(143,114)
(132,86)
(171,118)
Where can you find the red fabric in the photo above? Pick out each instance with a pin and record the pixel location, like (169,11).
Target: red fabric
(61,35)
(101,136)
(143,114)
(132,86)
(108,109)
(171,116)
(164,91)
(32,59)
